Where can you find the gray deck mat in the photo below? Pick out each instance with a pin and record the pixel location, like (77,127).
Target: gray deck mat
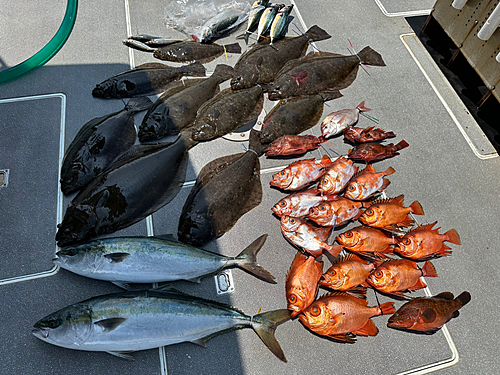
(439,169)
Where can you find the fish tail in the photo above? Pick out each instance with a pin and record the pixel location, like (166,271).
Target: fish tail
(389,171)
(390,134)
(362,108)
(247,260)
(142,103)
(233,48)
(387,308)
(464,298)
(428,270)
(254,142)
(401,145)
(416,208)
(195,69)
(369,56)
(316,33)
(334,250)
(223,71)
(453,237)
(265,324)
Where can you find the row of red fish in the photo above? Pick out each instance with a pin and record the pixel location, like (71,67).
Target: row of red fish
(344,313)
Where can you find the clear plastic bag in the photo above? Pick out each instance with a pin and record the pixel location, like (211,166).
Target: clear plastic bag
(202,18)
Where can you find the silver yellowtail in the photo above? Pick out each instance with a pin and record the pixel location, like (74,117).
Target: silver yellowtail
(130,321)
(124,260)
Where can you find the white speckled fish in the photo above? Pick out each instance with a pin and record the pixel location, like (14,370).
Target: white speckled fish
(337,121)
(298,204)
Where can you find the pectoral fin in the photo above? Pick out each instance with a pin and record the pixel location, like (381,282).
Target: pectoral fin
(110,324)
(123,355)
(116,257)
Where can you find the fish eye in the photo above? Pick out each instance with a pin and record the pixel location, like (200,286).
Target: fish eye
(282,173)
(406,241)
(333,272)
(53,324)
(292,220)
(315,311)
(378,273)
(282,203)
(292,298)
(369,212)
(71,252)
(321,207)
(352,187)
(348,234)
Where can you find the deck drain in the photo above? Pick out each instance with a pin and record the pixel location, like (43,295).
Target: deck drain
(4,177)
(224,282)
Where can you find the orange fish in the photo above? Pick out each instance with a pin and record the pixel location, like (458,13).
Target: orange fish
(395,276)
(366,241)
(293,145)
(334,213)
(300,173)
(367,182)
(375,151)
(390,214)
(337,176)
(428,314)
(347,273)
(309,238)
(302,282)
(360,135)
(298,204)
(340,316)
(426,243)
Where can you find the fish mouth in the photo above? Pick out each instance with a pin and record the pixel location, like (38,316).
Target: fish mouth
(40,333)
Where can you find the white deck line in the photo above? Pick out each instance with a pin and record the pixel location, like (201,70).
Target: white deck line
(440,97)
(149,220)
(423,12)
(62,133)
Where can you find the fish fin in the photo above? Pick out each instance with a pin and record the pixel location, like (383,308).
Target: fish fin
(201,342)
(247,260)
(195,69)
(138,104)
(194,280)
(223,71)
(418,285)
(387,308)
(345,338)
(232,48)
(330,94)
(369,56)
(444,251)
(124,355)
(122,284)
(401,145)
(464,298)
(361,106)
(455,314)
(358,292)
(428,270)
(334,250)
(342,120)
(316,33)
(116,257)
(369,329)
(427,316)
(265,324)
(385,183)
(398,294)
(453,237)
(446,295)
(389,171)
(416,208)
(110,324)
(326,161)
(152,65)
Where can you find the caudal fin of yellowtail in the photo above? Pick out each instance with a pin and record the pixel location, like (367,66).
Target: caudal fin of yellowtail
(265,324)
(247,260)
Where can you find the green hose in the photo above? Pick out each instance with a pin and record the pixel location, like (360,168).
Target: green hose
(49,50)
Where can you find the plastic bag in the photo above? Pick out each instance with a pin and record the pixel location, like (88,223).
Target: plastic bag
(202,18)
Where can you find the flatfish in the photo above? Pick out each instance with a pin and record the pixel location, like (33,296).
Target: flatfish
(176,108)
(98,143)
(262,62)
(137,184)
(146,79)
(320,72)
(193,51)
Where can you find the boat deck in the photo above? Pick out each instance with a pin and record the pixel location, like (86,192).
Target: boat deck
(450,167)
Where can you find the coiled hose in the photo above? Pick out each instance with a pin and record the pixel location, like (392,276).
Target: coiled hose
(49,50)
